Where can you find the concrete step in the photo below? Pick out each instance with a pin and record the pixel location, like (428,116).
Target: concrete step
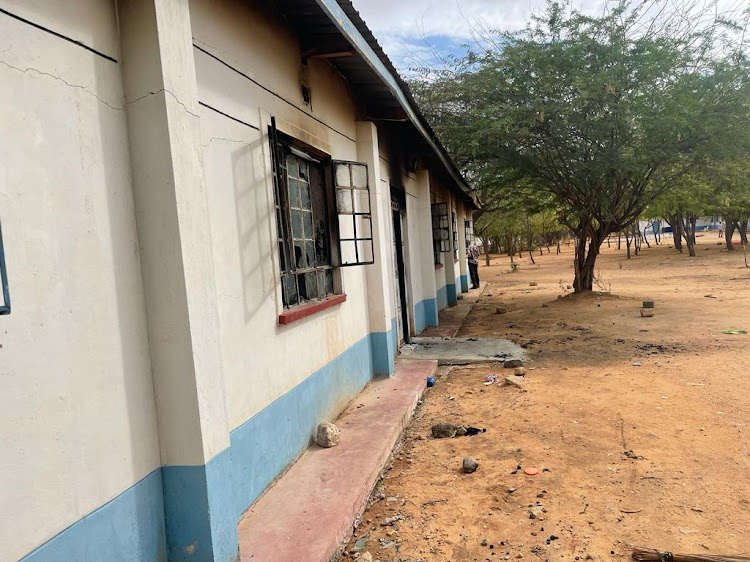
(308,514)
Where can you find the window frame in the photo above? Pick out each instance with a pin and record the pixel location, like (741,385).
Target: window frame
(5,307)
(283,146)
(440,244)
(468,231)
(365,217)
(454,226)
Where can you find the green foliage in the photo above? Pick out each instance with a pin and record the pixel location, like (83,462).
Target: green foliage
(594,117)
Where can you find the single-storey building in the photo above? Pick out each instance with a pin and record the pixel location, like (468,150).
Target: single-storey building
(220,219)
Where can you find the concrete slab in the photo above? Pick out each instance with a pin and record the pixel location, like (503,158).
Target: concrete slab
(460,351)
(450,319)
(308,514)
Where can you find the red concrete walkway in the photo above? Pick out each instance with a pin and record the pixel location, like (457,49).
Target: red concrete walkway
(308,515)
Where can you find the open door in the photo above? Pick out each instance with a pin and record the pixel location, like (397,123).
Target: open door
(402,308)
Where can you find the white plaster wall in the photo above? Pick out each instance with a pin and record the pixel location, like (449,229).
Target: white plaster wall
(77,426)
(261,359)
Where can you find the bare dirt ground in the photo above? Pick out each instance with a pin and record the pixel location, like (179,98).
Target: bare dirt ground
(656,455)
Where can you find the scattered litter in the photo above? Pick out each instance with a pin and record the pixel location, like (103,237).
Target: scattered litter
(430,382)
(688,531)
(451,398)
(710,296)
(528,291)
(637,364)
(696,384)
(648,303)
(665,397)
(734,332)
(719,413)
(490,379)
(632,455)
(531,471)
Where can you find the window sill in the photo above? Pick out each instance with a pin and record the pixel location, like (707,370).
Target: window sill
(305,310)
(438,266)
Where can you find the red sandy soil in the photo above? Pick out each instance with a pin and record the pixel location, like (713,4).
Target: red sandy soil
(681,416)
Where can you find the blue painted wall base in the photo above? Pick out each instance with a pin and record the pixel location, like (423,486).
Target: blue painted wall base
(442,297)
(451,295)
(464,283)
(129,527)
(384,349)
(425,314)
(190,513)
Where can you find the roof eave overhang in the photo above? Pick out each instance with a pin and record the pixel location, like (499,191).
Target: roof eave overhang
(349,30)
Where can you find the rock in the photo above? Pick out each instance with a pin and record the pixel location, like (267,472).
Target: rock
(328,435)
(545,305)
(512,363)
(501,310)
(444,430)
(470,465)
(484,542)
(516,381)
(520,371)
(646,313)
(533,284)
(365,557)
(391,520)
(537,512)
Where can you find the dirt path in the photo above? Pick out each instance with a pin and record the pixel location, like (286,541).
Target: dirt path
(655,455)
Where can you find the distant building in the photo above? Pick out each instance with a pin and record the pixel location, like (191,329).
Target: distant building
(220,219)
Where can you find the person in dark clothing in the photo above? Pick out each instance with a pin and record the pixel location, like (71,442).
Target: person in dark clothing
(472,254)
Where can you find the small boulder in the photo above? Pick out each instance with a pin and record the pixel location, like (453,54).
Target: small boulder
(501,310)
(533,284)
(516,381)
(328,435)
(520,371)
(365,557)
(512,363)
(444,430)
(647,312)
(470,465)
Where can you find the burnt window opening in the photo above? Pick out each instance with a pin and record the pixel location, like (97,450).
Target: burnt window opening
(318,202)
(306,95)
(454,224)
(303,225)
(440,231)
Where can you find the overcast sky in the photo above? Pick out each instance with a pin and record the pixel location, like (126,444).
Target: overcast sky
(412,31)
(409,30)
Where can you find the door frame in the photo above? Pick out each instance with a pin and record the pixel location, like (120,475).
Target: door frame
(398,210)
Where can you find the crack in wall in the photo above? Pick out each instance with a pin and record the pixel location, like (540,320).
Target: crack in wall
(77,86)
(89,92)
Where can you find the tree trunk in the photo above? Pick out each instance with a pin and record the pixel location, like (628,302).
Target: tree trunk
(645,236)
(743,231)
(627,240)
(585,261)
(731,226)
(688,232)
(559,251)
(676,223)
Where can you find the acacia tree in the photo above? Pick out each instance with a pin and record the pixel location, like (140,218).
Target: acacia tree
(602,113)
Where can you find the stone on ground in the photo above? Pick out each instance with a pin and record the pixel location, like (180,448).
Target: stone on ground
(328,435)
(520,371)
(514,380)
(470,465)
(512,363)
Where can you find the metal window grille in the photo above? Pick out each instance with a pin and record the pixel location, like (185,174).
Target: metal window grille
(440,230)
(303,230)
(354,213)
(468,232)
(5,301)
(454,223)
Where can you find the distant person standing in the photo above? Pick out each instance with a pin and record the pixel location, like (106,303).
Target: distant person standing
(472,253)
